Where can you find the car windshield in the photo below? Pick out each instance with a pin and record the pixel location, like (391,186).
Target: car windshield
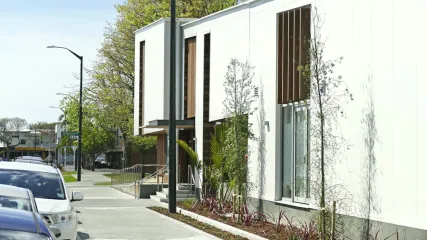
(18,235)
(42,184)
(16,203)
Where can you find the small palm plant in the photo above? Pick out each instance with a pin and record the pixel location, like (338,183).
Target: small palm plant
(218,169)
(192,154)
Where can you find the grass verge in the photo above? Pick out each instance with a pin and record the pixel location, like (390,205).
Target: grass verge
(103,184)
(199,225)
(69,178)
(69,173)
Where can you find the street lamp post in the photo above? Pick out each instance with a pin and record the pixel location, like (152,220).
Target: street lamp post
(172,114)
(79,153)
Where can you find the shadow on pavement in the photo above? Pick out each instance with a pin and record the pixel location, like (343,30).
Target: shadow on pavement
(83,236)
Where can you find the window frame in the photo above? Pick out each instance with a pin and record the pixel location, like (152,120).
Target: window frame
(299,106)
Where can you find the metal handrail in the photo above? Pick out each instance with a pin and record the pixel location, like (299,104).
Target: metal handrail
(132,174)
(192,179)
(158,172)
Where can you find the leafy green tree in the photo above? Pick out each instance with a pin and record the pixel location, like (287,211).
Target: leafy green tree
(97,136)
(47,130)
(329,94)
(143,145)
(238,105)
(9,129)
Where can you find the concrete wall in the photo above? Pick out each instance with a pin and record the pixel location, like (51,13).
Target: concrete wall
(378,39)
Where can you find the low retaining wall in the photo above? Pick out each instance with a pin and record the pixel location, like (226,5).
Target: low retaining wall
(219,225)
(144,190)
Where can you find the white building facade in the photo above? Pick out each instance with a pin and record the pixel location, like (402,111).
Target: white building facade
(381,43)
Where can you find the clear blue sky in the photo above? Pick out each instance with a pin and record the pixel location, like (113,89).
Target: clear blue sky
(31,74)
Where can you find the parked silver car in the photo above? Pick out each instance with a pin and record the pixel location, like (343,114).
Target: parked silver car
(17,198)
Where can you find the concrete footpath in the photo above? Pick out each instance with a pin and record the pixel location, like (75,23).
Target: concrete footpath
(106,213)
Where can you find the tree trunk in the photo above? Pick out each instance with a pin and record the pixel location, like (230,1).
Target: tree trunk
(322,169)
(93,164)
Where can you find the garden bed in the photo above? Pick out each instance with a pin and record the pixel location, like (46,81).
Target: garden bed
(199,225)
(265,229)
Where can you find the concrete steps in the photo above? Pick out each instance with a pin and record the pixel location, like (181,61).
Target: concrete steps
(183,193)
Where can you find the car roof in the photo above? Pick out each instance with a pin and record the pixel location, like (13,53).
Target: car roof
(12,191)
(18,220)
(30,158)
(22,160)
(28,167)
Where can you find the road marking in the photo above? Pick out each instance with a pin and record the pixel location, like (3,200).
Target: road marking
(191,238)
(108,208)
(109,198)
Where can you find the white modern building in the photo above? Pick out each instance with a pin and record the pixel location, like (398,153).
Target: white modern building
(380,176)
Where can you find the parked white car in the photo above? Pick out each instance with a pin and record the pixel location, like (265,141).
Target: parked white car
(49,190)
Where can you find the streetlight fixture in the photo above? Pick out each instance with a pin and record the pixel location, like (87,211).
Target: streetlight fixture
(79,160)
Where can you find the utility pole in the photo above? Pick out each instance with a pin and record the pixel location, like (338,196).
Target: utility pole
(35,138)
(172,113)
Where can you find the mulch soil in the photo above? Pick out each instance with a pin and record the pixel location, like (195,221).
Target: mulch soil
(261,228)
(199,225)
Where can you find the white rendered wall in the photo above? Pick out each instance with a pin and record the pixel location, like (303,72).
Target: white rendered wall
(154,92)
(382,39)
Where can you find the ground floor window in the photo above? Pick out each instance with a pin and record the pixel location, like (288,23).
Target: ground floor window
(295,153)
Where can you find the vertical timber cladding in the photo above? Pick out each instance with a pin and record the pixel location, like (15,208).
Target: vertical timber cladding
(161,149)
(190,77)
(293,36)
(207,130)
(141,84)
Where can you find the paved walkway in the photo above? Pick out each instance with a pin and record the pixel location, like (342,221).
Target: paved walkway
(106,213)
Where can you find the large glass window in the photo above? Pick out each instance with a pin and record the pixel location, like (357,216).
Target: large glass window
(295,152)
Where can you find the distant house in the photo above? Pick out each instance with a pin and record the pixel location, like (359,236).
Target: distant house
(30,143)
(384,54)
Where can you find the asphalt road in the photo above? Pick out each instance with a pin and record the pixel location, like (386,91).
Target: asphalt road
(106,213)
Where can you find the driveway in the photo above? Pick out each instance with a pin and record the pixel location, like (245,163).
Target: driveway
(106,213)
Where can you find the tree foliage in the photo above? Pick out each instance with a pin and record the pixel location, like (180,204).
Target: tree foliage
(9,129)
(238,105)
(143,145)
(46,129)
(113,72)
(217,173)
(97,135)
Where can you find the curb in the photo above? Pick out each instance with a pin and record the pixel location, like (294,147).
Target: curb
(217,224)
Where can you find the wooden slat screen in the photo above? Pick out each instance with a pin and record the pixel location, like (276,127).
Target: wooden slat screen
(293,35)
(141,84)
(161,149)
(191,76)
